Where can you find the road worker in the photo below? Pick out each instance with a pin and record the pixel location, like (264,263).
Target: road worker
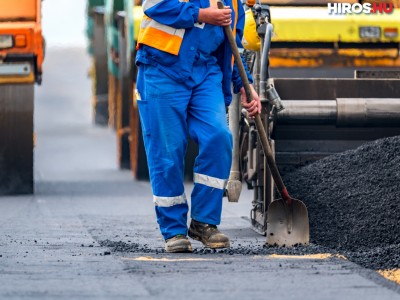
(183,87)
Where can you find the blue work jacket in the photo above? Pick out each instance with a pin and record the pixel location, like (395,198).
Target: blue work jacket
(184,15)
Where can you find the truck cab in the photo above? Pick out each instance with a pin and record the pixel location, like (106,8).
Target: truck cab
(21,41)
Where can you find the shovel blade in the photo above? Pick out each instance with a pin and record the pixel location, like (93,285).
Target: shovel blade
(287,225)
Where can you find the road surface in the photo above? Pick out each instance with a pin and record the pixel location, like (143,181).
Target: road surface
(89,232)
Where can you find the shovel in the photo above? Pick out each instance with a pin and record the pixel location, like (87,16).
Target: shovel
(287,218)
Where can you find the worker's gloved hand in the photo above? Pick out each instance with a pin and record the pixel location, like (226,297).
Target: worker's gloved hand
(215,16)
(254,106)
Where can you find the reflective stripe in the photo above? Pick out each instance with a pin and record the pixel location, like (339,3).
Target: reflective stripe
(169,201)
(147,22)
(159,36)
(150,3)
(213,182)
(235,9)
(167,38)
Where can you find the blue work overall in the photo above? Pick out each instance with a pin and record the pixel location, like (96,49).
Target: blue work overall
(169,112)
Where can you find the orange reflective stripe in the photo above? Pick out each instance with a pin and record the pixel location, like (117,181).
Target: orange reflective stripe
(159,36)
(235,9)
(160,40)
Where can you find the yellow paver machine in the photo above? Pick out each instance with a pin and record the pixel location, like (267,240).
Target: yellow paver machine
(307,119)
(307,33)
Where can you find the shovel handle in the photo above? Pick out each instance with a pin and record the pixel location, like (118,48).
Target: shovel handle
(259,124)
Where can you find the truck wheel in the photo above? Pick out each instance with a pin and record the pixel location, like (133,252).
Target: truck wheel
(16,136)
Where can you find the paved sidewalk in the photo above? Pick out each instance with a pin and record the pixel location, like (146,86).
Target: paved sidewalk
(90,230)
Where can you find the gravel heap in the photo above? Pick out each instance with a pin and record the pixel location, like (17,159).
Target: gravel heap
(248,249)
(353,200)
(120,246)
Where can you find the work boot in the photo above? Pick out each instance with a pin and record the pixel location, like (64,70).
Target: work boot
(208,234)
(177,244)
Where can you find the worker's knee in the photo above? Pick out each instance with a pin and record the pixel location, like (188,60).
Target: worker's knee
(220,138)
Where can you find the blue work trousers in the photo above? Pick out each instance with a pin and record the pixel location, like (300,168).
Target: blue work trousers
(170,112)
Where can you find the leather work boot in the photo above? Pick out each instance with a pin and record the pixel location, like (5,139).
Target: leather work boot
(178,244)
(208,234)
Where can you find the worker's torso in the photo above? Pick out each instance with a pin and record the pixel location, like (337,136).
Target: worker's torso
(199,44)
(205,63)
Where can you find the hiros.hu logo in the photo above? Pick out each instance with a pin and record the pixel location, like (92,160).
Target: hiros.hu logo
(358,8)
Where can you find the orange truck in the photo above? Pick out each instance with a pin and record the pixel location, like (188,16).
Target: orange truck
(21,59)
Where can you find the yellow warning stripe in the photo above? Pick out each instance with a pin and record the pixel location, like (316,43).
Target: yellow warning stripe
(393,274)
(160,39)
(307,256)
(17,79)
(320,256)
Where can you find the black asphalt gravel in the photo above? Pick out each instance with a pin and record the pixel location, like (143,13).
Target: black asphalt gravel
(353,199)
(353,203)
(248,249)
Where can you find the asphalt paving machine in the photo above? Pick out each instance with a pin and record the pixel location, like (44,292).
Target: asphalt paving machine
(304,119)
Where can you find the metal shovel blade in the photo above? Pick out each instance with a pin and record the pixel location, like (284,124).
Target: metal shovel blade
(287,225)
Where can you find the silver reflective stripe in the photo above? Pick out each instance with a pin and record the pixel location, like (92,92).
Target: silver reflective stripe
(169,201)
(167,29)
(150,3)
(210,181)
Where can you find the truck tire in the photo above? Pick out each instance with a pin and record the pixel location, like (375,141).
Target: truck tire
(16,136)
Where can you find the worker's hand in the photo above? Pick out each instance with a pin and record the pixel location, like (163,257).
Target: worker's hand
(254,106)
(215,16)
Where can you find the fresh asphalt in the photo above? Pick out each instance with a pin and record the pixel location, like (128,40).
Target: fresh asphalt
(89,232)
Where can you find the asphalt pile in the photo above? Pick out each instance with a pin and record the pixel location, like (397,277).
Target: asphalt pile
(120,246)
(248,249)
(353,200)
